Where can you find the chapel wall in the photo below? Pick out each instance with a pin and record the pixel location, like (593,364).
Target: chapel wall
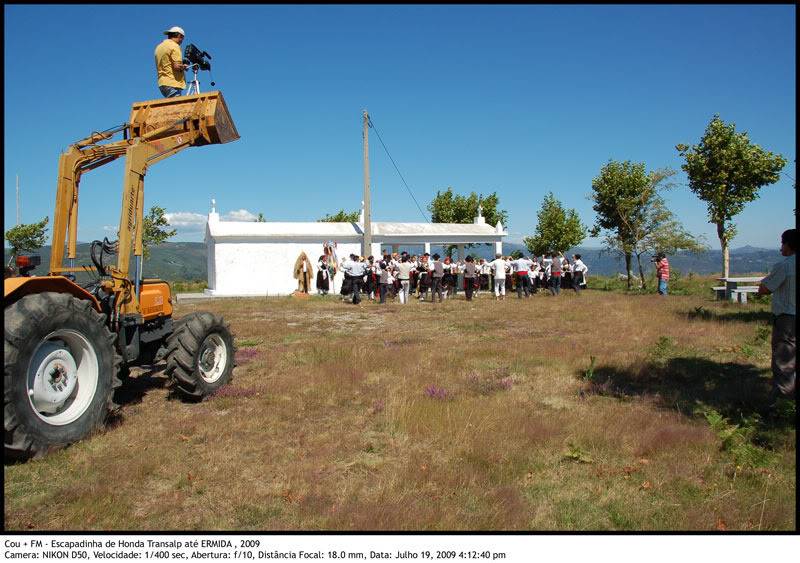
(266,268)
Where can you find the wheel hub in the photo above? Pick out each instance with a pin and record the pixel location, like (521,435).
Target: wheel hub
(213,358)
(56,378)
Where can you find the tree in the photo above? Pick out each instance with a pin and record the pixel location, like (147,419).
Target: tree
(628,206)
(448,207)
(260,218)
(26,237)
(154,233)
(726,171)
(341,217)
(659,232)
(557,229)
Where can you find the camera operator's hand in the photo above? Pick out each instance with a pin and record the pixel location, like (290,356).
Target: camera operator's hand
(181,66)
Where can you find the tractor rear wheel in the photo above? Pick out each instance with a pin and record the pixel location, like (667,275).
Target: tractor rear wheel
(200,355)
(60,373)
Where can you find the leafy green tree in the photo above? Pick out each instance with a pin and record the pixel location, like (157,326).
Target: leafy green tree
(629,207)
(659,232)
(341,217)
(260,218)
(448,207)
(154,232)
(26,237)
(516,255)
(557,230)
(726,171)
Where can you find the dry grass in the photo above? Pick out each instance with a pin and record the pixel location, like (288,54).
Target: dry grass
(460,416)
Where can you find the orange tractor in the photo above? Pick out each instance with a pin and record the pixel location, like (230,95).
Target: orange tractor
(67,345)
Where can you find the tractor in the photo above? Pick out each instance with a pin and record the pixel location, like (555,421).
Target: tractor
(68,345)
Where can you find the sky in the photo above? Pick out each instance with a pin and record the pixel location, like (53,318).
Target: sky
(519,100)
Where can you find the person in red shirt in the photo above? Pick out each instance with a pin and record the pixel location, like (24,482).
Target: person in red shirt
(662,272)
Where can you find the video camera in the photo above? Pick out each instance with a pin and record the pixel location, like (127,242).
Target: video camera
(195,56)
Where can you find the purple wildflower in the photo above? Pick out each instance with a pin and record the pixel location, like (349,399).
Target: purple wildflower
(435,392)
(246,355)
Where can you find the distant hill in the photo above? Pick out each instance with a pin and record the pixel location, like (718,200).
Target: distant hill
(748,259)
(186,261)
(170,261)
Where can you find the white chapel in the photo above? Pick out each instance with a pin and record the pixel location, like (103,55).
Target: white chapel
(257,258)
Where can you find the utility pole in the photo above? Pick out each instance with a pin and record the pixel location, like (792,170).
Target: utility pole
(17,199)
(366,247)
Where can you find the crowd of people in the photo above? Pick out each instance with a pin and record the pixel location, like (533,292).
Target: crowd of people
(431,278)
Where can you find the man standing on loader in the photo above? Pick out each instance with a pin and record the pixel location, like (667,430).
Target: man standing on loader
(169,63)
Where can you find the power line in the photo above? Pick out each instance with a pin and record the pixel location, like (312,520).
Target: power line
(369,121)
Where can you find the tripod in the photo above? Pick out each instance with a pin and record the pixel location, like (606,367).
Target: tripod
(194,86)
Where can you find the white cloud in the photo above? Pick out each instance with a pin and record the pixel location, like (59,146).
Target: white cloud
(186,221)
(239,215)
(189,222)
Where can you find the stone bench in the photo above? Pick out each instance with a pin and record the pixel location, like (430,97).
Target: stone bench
(740,293)
(719,291)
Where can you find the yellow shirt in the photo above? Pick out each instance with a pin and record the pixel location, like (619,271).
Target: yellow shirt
(166,52)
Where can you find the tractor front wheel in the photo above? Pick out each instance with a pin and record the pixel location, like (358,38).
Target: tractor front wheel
(60,373)
(200,355)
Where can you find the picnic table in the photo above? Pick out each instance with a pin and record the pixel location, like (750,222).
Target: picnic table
(736,289)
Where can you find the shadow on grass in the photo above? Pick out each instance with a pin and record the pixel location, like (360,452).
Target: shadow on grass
(737,391)
(136,386)
(133,390)
(703,314)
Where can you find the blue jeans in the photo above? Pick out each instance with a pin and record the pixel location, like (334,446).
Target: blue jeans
(170,91)
(555,285)
(662,287)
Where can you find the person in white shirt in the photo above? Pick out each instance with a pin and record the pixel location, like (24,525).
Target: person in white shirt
(390,279)
(347,283)
(533,275)
(498,266)
(486,273)
(509,273)
(404,271)
(781,283)
(371,283)
(458,268)
(521,267)
(566,273)
(579,271)
(547,264)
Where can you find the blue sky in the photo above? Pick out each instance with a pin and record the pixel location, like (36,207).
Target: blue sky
(515,99)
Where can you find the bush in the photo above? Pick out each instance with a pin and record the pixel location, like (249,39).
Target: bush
(188,286)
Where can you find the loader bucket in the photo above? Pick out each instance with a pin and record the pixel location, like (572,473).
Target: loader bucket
(209,108)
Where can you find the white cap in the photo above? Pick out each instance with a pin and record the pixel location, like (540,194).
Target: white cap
(175,29)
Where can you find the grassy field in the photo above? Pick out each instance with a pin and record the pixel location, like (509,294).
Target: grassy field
(604,411)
